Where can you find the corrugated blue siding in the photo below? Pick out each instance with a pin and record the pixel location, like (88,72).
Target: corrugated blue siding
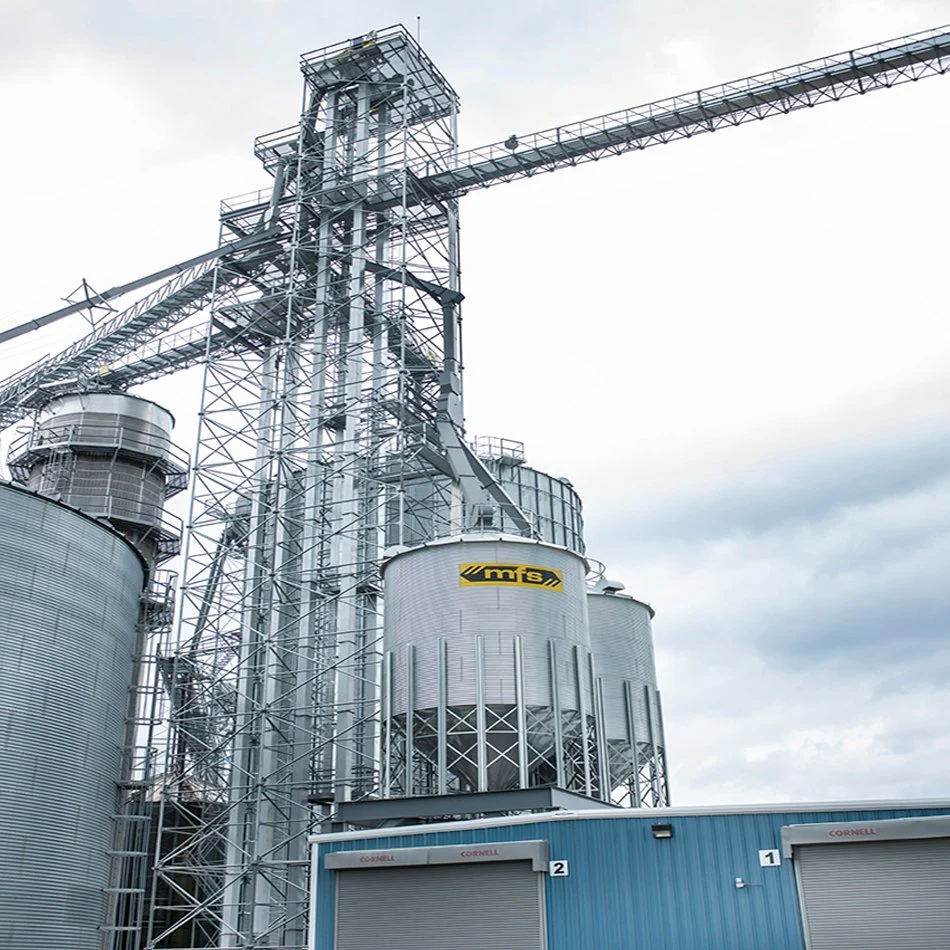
(629,891)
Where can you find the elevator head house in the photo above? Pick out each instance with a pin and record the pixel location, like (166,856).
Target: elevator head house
(868,875)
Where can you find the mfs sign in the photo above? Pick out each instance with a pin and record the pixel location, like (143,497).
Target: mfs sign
(510,575)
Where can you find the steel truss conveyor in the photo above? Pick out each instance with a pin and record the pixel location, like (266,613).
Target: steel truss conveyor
(128,349)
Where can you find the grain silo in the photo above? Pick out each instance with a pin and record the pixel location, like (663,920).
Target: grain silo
(628,701)
(487,677)
(79,544)
(70,589)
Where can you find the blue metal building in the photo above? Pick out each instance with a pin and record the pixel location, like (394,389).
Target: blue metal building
(864,875)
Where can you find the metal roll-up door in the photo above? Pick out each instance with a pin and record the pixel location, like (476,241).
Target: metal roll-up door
(483,906)
(885,895)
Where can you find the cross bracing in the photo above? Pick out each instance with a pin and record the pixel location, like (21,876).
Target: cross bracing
(306,432)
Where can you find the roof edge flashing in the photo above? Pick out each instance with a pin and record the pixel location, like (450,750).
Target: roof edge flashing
(855,832)
(643,814)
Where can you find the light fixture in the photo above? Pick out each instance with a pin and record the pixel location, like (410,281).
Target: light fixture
(662,831)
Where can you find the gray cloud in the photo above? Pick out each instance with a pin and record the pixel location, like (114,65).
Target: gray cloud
(223,59)
(803,626)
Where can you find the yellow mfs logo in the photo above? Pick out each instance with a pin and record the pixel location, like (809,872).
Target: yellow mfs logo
(510,575)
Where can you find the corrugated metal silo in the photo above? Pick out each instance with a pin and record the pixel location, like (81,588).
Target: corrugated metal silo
(628,702)
(69,601)
(487,679)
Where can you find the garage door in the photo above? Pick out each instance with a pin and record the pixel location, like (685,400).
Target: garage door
(886,895)
(487,906)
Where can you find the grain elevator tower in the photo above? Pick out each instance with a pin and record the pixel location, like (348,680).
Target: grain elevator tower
(332,464)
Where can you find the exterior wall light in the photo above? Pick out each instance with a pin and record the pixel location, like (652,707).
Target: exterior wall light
(662,831)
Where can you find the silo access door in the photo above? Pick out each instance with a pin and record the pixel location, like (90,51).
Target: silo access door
(483,906)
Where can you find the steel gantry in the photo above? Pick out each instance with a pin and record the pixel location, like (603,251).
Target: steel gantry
(327,323)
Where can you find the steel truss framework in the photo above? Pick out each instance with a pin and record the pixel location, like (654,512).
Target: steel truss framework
(484,746)
(331,364)
(149,340)
(307,432)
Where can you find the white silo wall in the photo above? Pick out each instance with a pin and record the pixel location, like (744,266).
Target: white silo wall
(621,637)
(425,601)
(111,456)
(466,621)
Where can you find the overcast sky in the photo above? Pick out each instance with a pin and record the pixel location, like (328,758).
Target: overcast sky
(736,347)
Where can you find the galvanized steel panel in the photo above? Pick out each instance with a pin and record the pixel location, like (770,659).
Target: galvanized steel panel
(876,895)
(553,501)
(621,640)
(425,602)
(69,594)
(496,642)
(622,646)
(102,485)
(111,456)
(492,906)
